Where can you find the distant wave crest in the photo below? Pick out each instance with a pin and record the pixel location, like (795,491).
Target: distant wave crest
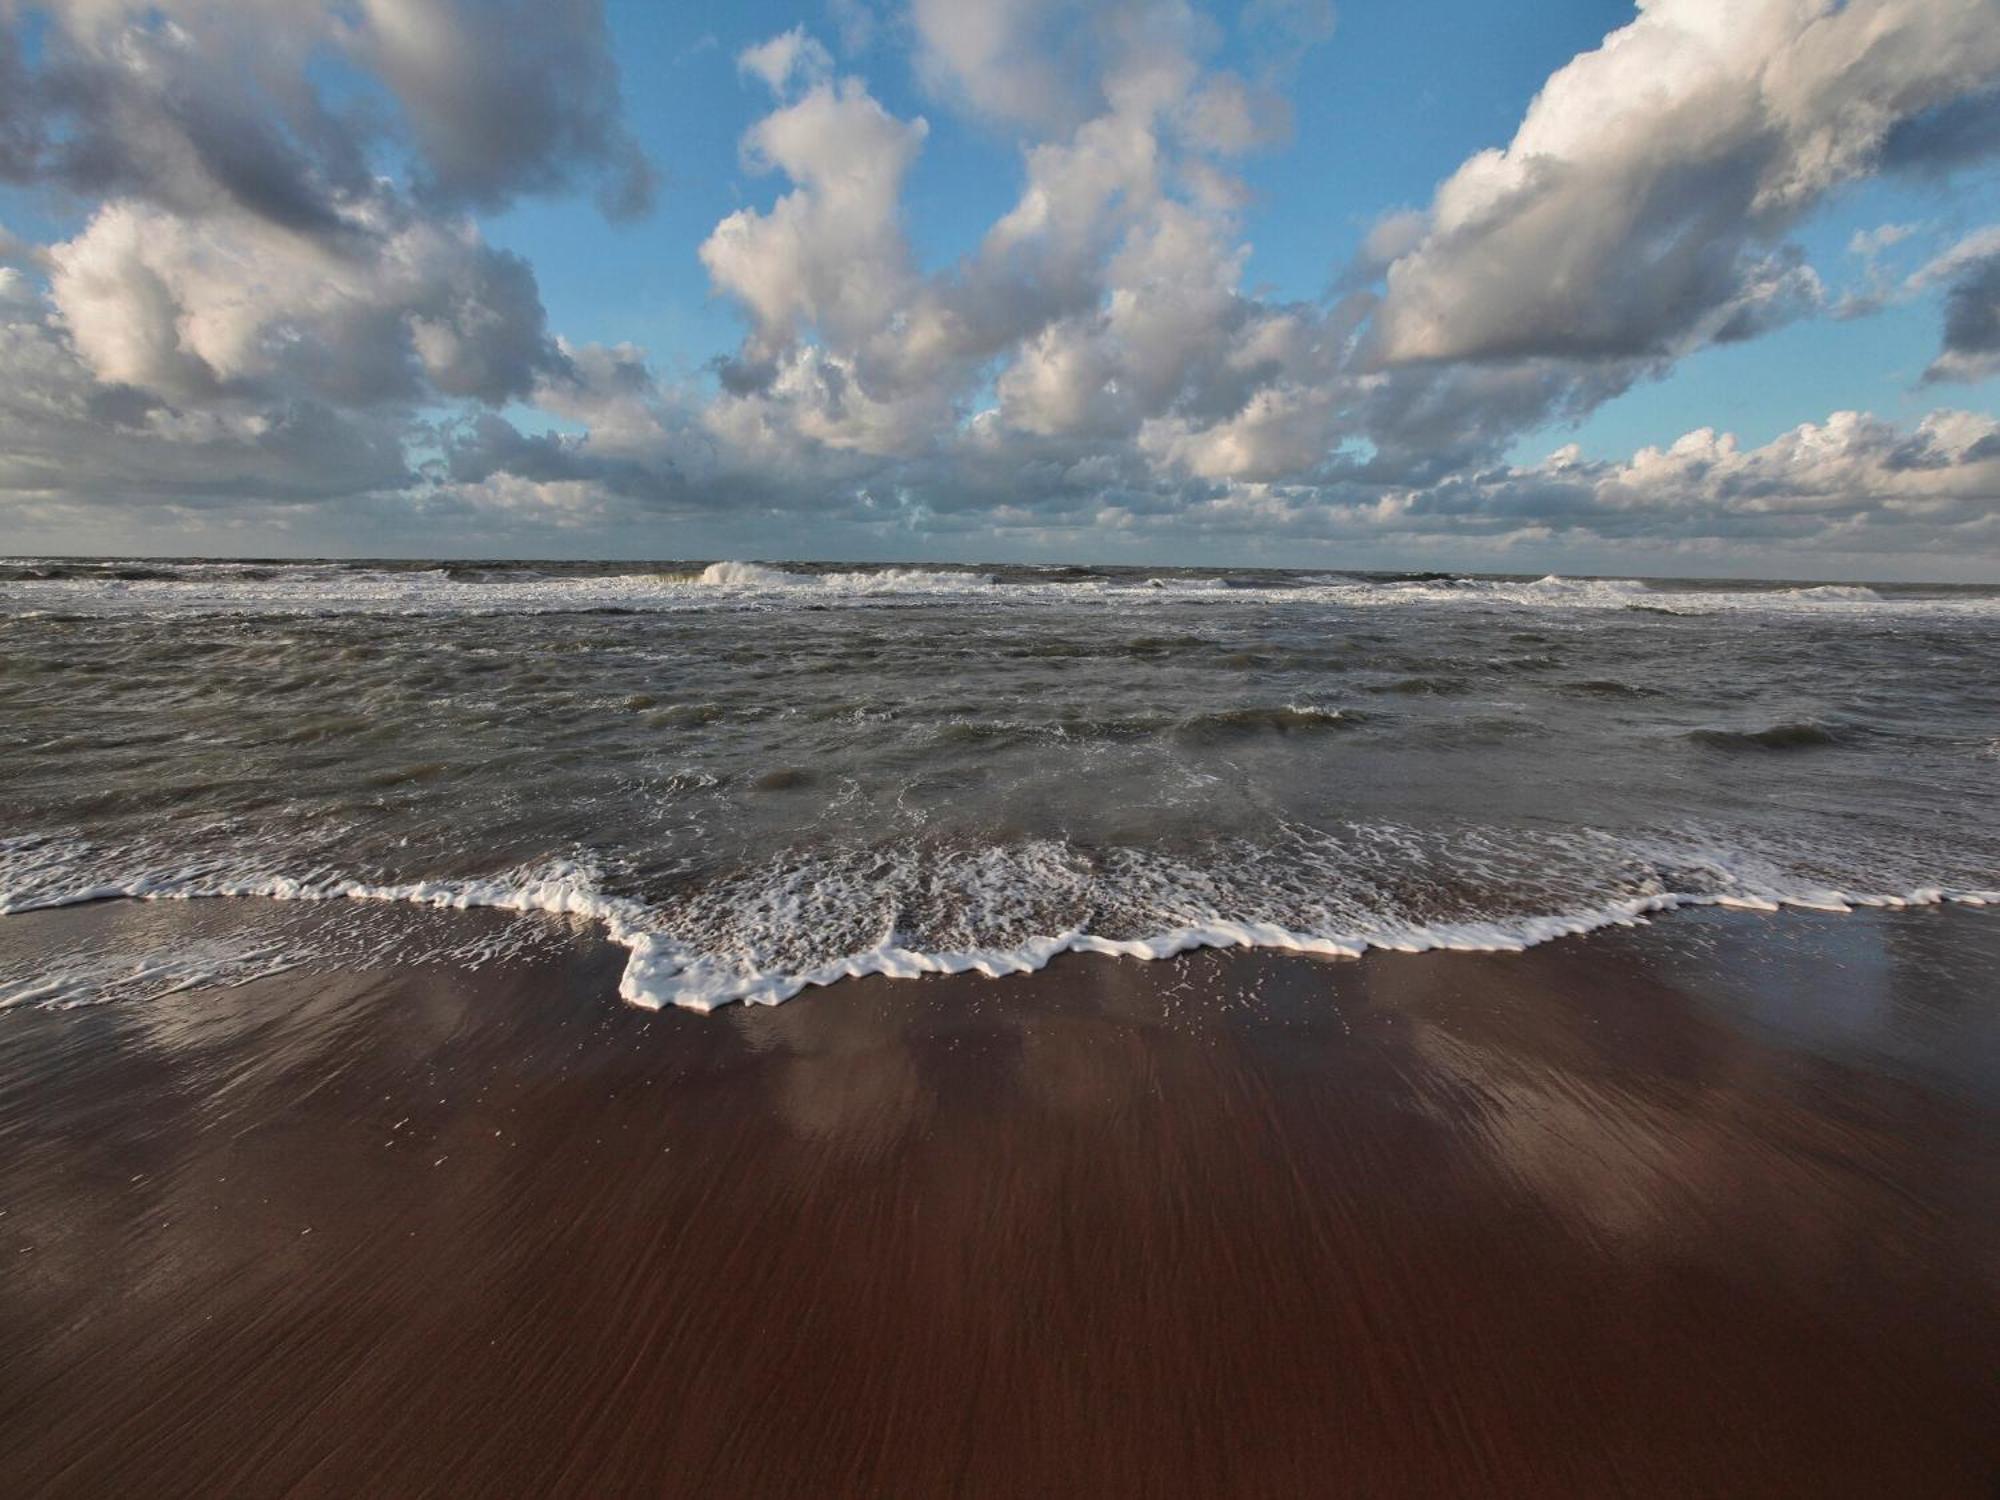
(750,575)
(1836,593)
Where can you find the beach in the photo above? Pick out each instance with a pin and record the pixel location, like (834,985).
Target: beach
(1709,1205)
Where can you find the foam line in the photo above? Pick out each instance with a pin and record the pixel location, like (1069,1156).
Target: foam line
(314,589)
(661,971)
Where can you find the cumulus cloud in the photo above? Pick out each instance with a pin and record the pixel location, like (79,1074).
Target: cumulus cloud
(830,253)
(1639,208)
(69,437)
(1843,495)
(1104,297)
(1820,484)
(15,251)
(194,107)
(253,300)
(1870,243)
(789,57)
(195,309)
(998,56)
(855,22)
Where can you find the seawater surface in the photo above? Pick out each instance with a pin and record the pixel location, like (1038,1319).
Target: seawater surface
(757,778)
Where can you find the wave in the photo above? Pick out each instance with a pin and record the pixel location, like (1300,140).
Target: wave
(1803,734)
(994,732)
(1660,598)
(28,586)
(1552,589)
(1432,686)
(812,920)
(1248,723)
(748,575)
(1554,586)
(1213,727)
(1606,687)
(1835,593)
(916,578)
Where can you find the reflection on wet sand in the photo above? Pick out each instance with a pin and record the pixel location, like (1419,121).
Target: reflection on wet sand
(1705,1207)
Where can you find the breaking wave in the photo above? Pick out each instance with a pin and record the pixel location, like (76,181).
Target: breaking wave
(749,575)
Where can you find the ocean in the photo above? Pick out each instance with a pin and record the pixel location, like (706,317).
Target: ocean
(760,778)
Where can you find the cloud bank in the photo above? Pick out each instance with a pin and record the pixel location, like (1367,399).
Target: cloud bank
(281,301)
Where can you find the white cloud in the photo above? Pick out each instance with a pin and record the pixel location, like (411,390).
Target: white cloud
(1852,463)
(1967,252)
(787,59)
(190,310)
(995,54)
(1633,212)
(67,440)
(1869,243)
(830,254)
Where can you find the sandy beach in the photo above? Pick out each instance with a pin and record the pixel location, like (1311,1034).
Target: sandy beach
(1618,1215)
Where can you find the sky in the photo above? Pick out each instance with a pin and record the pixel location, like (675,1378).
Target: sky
(1692,287)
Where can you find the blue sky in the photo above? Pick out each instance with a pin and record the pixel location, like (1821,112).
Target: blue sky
(540,276)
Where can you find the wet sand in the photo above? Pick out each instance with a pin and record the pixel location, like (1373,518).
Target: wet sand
(1710,1207)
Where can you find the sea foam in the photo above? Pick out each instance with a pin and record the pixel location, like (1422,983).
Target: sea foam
(719,954)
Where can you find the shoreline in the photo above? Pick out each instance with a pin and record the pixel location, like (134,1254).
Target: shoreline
(622,923)
(1706,1205)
